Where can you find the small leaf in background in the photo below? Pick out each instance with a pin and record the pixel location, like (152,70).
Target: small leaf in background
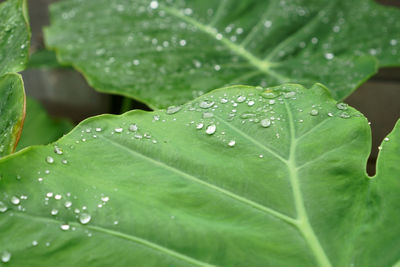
(14,36)
(241,176)
(44,59)
(168,52)
(12,111)
(39,128)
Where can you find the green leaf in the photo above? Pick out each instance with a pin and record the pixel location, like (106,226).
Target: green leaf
(12,111)
(238,177)
(168,52)
(14,36)
(44,59)
(39,127)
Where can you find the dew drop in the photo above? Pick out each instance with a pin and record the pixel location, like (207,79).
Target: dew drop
(224,100)
(199,125)
(118,130)
(385,139)
(314,112)
(67,204)
(173,109)
(49,160)
(269,94)
(341,106)
(54,212)
(58,150)
(345,115)
(329,56)
(58,197)
(65,227)
(15,200)
(241,99)
(265,123)
(153,4)
(133,128)
(105,199)
(35,243)
(207,115)
(290,94)
(251,103)
(98,129)
(5,256)
(206,104)
(211,129)
(3,207)
(84,218)
(232,143)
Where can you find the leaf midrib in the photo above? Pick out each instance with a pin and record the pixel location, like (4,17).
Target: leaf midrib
(263,65)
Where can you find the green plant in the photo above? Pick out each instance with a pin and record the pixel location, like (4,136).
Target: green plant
(243,175)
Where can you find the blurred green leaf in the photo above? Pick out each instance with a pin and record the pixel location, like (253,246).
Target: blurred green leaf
(14,36)
(238,177)
(44,59)
(39,128)
(167,52)
(12,111)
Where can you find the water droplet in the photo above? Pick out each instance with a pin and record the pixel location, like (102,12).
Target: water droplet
(5,256)
(267,24)
(217,67)
(241,99)
(57,197)
(247,115)
(54,212)
(49,194)
(105,199)
(153,4)
(35,243)
(211,129)
(269,94)
(49,160)
(385,139)
(173,109)
(314,112)
(232,143)
(207,115)
(182,42)
(64,161)
(261,156)
(290,94)
(67,204)
(251,103)
(58,150)
(393,42)
(98,129)
(84,218)
(342,106)
(329,56)
(206,104)
(133,128)
(118,130)
(330,114)
(3,207)
(345,115)
(65,227)
(15,200)
(265,123)
(224,100)
(199,125)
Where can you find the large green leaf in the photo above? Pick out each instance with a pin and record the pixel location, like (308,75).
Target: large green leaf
(168,52)
(14,36)
(238,177)
(39,127)
(12,111)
